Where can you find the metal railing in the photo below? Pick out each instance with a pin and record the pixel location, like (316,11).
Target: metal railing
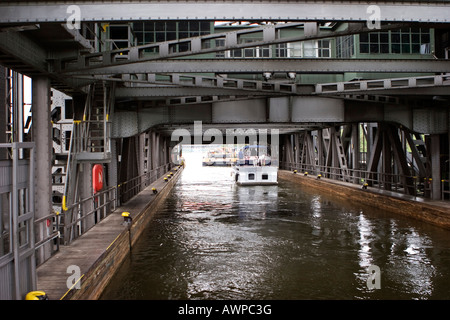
(130,188)
(91,136)
(50,222)
(17,220)
(102,203)
(407,184)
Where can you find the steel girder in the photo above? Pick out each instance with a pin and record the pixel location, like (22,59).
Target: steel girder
(221,84)
(425,85)
(58,11)
(23,53)
(258,65)
(149,92)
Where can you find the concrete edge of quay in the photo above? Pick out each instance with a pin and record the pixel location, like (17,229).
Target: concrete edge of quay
(430,211)
(101,250)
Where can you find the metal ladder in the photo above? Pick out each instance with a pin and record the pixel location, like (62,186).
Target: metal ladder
(89,143)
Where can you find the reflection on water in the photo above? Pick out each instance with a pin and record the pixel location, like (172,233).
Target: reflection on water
(216,240)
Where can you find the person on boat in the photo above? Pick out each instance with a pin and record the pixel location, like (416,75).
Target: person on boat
(241,158)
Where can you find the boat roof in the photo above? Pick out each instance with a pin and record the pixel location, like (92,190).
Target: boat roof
(254,146)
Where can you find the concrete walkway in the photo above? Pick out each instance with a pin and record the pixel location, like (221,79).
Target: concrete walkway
(58,277)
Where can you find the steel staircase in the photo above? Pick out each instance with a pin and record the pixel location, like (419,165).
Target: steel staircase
(89,143)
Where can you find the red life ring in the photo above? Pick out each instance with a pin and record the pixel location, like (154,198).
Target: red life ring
(97,177)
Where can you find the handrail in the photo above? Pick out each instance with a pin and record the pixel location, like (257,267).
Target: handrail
(112,196)
(420,186)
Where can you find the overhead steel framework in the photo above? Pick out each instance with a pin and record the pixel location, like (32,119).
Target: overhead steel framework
(269,35)
(325,10)
(261,65)
(125,103)
(438,84)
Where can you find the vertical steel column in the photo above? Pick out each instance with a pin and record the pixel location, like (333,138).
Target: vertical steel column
(22,222)
(112,169)
(157,151)
(17,101)
(355,151)
(320,149)
(15,223)
(386,154)
(141,157)
(86,191)
(42,136)
(3,111)
(288,150)
(296,148)
(435,166)
(152,150)
(374,147)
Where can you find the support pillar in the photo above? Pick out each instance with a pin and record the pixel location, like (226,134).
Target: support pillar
(288,150)
(86,191)
(152,150)
(42,137)
(296,148)
(355,151)
(435,166)
(320,149)
(387,160)
(18,116)
(112,169)
(3,111)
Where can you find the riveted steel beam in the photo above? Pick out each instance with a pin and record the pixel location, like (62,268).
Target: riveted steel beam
(200,81)
(21,51)
(57,11)
(157,91)
(255,65)
(425,85)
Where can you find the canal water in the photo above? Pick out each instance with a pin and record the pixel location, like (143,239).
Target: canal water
(213,239)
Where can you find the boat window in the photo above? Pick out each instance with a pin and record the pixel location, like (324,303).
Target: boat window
(265,176)
(251,176)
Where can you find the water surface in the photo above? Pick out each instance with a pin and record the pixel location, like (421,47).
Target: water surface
(213,239)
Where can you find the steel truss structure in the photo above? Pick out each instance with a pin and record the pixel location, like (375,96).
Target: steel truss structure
(397,159)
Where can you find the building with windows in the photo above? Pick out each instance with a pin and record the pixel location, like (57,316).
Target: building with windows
(404,43)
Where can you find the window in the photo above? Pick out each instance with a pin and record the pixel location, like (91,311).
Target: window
(251,176)
(119,36)
(324,49)
(253,52)
(281,50)
(160,31)
(68,109)
(265,176)
(220,43)
(317,49)
(407,40)
(345,46)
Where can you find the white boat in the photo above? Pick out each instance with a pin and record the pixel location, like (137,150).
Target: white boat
(254,167)
(220,157)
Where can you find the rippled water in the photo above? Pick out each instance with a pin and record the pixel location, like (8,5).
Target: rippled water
(215,240)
